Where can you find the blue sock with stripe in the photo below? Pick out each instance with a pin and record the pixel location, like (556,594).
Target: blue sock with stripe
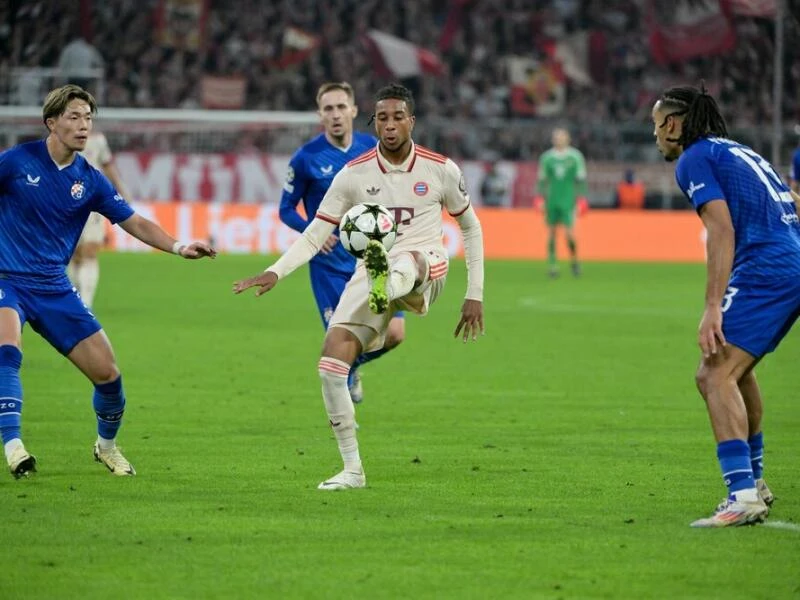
(10,393)
(109,405)
(362,360)
(734,460)
(756,443)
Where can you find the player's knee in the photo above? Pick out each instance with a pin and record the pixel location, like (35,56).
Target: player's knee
(707,379)
(10,356)
(395,335)
(105,373)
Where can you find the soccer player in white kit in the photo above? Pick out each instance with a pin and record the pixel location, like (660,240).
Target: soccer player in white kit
(416,184)
(84,268)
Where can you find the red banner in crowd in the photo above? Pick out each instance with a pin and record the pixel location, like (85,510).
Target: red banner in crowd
(684,29)
(508,234)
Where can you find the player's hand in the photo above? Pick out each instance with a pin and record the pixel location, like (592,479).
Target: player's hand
(471,320)
(329,244)
(709,335)
(198,250)
(265,282)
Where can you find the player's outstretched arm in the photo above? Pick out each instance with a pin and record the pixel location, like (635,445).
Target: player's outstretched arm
(471,322)
(298,254)
(155,237)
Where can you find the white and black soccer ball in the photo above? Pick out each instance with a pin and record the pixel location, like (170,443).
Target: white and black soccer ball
(365,222)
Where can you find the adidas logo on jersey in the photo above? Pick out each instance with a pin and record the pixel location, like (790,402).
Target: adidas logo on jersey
(373,191)
(33,180)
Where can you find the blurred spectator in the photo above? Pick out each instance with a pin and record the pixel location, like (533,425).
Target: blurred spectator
(630,193)
(494,189)
(80,63)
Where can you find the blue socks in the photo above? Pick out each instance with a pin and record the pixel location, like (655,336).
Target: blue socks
(362,360)
(109,405)
(734,460)
(756,443)
(10,393)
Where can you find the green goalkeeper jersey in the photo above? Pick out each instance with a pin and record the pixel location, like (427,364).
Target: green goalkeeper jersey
(562,176)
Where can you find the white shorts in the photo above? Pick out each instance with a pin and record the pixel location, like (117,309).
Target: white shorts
(94,231)
(353,313)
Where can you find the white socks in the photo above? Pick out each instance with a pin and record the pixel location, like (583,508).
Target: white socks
(402,275)
(11,446)
(333,373)
(87,275)
(105,444)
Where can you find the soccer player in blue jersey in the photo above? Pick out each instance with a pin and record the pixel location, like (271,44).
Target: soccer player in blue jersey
(752,289)
(311,170)
(47,190)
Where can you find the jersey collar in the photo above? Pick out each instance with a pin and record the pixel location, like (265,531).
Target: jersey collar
(387,167)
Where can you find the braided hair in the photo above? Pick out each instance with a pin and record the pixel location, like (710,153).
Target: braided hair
(703,117)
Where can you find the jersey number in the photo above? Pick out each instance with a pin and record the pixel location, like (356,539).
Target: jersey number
(765,173)
(727,299)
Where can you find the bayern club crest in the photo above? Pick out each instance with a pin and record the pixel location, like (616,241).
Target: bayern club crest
(77,190)
(420,188)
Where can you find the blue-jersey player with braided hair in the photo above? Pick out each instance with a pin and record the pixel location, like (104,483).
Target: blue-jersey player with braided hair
(311,170)
(752,287)
(47,190)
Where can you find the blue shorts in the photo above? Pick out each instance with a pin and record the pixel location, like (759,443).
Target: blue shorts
(328,286)
(757,316)
(59,317)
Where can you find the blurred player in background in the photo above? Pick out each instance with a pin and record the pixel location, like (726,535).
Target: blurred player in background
(47,190)
(84,268)
(311,171)
(752,287)
(562,180)
(416,184)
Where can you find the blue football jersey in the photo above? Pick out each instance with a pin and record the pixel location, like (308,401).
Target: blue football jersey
(43,209)
(311,171)
(767,238)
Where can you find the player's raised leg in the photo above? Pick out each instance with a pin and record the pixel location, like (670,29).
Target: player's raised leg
(718,382)
(340,349)
(751,394)
(95,358)
(391,280)
(20,461)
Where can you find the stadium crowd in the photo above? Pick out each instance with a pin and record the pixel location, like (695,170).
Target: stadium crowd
(247,39)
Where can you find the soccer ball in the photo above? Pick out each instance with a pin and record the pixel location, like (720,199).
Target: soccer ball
(365,222)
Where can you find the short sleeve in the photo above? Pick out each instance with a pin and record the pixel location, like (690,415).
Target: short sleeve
(108,202)
(580,174)
(455,196)
(696,179)
(338,199)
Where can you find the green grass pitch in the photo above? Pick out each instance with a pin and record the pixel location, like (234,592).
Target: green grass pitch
(562,456)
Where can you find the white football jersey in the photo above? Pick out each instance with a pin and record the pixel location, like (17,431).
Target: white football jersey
(97,151)
(415,192)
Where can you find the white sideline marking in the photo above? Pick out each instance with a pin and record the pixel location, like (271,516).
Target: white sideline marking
(782,525)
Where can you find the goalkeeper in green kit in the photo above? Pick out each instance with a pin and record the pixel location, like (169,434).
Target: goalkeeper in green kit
(562,180)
